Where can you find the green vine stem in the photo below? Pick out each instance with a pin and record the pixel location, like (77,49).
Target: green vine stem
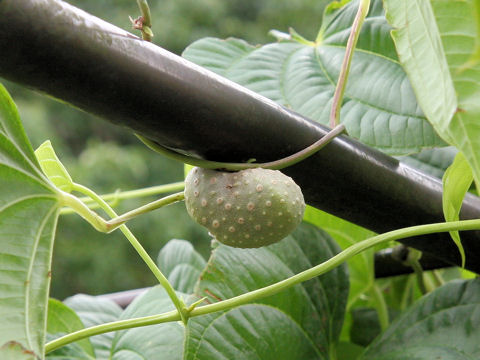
(344,70)
(274,288)
(179,304)
(382,309)
(274,165)
(131,194)
(102,225)
(407,294)
(134,194)
(144,22)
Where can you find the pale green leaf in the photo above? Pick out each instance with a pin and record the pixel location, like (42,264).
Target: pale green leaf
(456,182)
(156,342)
(14,351)
(62,320)
(181,264)
(95,311)
(28,215)
(458,28)
(435,40)
(420,50)
(53,168)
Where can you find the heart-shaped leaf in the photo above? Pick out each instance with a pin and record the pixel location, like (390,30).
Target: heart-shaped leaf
(29,210)
(313,310)
(162,341)
(181,264)
(379,106)
(443,324)
(95,311)
(62,320)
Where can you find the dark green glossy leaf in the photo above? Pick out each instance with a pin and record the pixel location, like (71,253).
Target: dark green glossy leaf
(316,306)
(379,107)
(181,264)
(162,341)
(361,271)
(348,351)
(366,325)
(28,216)
(444,323)
(253,332)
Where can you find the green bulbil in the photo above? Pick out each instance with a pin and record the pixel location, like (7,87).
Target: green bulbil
(247,209)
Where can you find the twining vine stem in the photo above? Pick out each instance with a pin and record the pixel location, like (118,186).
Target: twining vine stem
(179,304)
(271,289)
(347,60)
(117,196)
(274,165)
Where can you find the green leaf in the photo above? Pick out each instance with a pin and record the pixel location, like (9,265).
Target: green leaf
(424,59)
(443,324)
(15,351)
(379,107)
(95,311)
(366,325)
(61,320)
(181,264)
(337,22)
(447,90)
(431,161)
(361,271)
(257,332)
(456,182)
(73,351)
(316,307)
(162,341)
(28,216)
(348,351)
(458,28)
(53,168)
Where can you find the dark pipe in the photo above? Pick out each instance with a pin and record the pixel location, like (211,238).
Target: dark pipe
(390,262)
(59,50)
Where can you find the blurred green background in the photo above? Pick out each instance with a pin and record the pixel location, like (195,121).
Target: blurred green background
(107,158)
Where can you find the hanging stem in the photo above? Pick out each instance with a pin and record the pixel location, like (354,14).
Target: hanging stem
(179,304)
(347,59)
(274,288)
